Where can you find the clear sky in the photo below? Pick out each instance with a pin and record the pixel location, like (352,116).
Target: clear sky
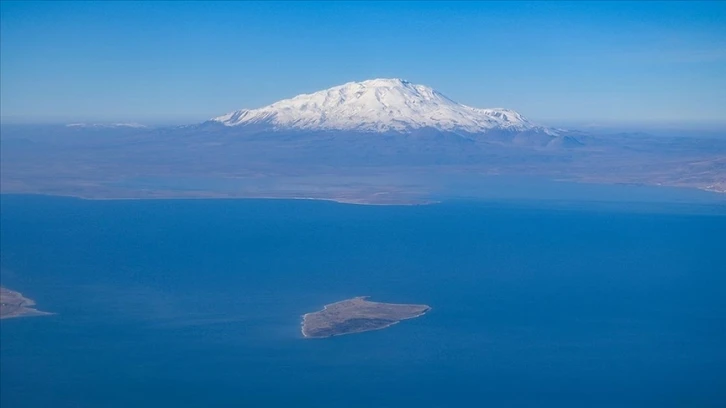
(155,62)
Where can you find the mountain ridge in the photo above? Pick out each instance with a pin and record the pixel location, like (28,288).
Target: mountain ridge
(380,105)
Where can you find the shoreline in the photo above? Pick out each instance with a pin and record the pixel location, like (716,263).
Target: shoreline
(226,197)
(711,194)
(19,305)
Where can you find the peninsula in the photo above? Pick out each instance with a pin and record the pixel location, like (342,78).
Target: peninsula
(357,315)
(13,304)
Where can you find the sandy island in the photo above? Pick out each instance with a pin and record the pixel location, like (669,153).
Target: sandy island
(13,304)
(357,315)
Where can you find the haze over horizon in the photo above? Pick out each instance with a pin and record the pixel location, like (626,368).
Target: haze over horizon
(657,63)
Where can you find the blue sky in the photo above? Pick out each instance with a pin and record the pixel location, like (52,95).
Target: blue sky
(154,62)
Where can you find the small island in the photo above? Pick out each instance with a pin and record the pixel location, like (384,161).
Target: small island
(357,315)
(13,304)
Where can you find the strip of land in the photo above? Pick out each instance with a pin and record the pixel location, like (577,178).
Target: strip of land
(14,304)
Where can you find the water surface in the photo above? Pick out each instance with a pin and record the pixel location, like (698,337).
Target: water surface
(197,303)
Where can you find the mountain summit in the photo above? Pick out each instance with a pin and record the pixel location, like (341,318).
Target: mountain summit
(379,105)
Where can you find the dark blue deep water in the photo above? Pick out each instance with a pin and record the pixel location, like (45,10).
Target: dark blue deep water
(197,303)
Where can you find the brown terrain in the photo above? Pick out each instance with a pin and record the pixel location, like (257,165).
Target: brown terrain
(13,304)
(357,315)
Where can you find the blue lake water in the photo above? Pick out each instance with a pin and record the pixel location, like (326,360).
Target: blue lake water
(197,303)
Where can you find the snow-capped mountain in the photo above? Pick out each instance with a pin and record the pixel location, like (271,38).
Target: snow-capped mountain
(379,105)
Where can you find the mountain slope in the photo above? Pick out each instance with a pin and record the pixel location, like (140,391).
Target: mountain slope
(379,105)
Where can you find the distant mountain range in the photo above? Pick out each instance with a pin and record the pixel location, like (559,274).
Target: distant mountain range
(389,107)
(375,141)
(379,105)
(105,125)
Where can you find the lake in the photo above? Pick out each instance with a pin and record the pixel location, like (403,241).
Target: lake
(198,303)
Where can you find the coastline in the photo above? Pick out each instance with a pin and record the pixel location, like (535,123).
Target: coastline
(406,203)
(19,305)
(712,193)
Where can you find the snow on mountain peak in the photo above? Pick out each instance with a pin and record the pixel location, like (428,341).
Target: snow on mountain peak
(377,105)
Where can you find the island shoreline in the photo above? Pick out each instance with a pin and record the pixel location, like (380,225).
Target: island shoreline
(14,305)
(424,310)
